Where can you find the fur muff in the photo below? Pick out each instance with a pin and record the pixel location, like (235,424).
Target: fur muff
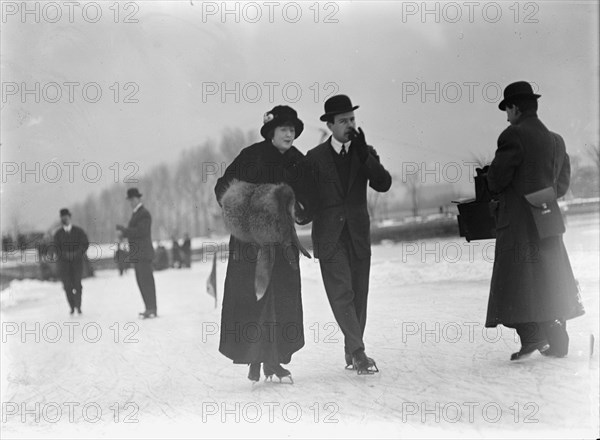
(262,214)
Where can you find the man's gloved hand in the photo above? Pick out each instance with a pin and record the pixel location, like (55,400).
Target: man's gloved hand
(302,216)
(360,143)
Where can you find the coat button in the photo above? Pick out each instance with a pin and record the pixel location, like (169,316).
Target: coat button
(341,218)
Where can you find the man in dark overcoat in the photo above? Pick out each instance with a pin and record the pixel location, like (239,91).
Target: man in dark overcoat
(334,181)
(71,244)
(533,288)
(141,251)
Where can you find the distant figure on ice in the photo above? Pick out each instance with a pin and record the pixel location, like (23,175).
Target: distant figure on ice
(121,257)
(186,250)
(532,289)
(161,257)
(175,253)
(268,329)
(141,252)
(337,173)
(71,245)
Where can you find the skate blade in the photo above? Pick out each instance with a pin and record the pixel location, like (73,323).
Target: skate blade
(518,355)
(149,317)
(281,381)
(291,381)
(368,371)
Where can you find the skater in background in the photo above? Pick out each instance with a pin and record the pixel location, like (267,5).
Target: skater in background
(186,251)
(161,257)
(336,175)
(175,253)
(533,288)
(266,331)
(71,244)
(141,252)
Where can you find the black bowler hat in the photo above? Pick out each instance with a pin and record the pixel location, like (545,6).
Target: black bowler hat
(65,211)
(336,105)
(133,192)
(516,90)
(281,115)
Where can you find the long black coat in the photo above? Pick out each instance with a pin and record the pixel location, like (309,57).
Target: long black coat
(138,233)
(320,188)
(532,279)
(269,330)
(70,246)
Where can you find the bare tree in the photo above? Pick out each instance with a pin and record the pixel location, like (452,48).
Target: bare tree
(412,182)
(594,153)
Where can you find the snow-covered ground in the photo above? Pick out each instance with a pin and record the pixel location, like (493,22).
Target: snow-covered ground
(108,374)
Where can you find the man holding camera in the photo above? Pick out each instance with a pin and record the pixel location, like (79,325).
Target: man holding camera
(533,289)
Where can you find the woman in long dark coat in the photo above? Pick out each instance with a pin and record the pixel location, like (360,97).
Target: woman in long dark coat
(533,288)
(268,330)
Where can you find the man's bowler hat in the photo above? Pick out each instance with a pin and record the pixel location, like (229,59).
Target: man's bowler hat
(517,90)
(133,192)
(336,105)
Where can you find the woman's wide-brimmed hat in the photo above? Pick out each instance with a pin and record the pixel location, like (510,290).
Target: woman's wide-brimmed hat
(281,115)
(517,90)
(336,105)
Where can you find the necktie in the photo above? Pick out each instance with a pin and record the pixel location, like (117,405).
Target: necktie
(343,152)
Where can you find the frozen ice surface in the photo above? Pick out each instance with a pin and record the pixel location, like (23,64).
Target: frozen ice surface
(442,374)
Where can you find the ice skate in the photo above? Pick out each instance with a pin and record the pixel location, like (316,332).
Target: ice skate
(363,364)
(278,371)
(254,372)
(527,349)
(349,363)
(148,314)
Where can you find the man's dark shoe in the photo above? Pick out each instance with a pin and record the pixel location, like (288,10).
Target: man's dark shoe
(277,370)
(254,372)
(148,314)
(363,364)
(349,363)
(558,339)
(527,349)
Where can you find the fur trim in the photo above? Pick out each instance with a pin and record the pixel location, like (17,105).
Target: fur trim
(262,214)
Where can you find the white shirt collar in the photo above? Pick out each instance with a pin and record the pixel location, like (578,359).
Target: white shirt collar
(68,228)
(337,145)
(137,207)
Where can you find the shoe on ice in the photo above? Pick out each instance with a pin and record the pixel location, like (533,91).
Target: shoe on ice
(254,372)
(527,349)
(148,314)
(363,364)
(552,352)
(277,370)
(349,363)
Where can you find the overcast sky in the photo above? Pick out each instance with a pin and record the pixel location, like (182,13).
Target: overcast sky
(179,56)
